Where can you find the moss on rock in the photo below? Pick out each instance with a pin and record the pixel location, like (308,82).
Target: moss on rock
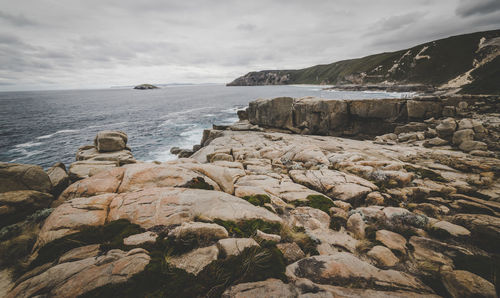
(316,201)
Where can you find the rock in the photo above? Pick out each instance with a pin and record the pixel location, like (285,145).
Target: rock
(110,141)
(23,177)
(449,111)
(145,87)
(71,279)
(450,229)
(267,288)
(309,218)
(469,146)
(446,128)
(392,240)
(122,157)
(242,114)
(148,208)
(80,253)
(267,237)
(139,239)
(202,230)
(84,169)
(463,284)
(369,293)
(431,255)
(463,135)
(383,256)
(271,113)
(435,142)
(344,269)
(58,178)
(423,109)
(291,251)
(16,205)
(194,261)
(334,184)
(484,228)
(356,226)
(234,246)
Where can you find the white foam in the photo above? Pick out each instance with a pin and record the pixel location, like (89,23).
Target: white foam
(28,145)
(57,132)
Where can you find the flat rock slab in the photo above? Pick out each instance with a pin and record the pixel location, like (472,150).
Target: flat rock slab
(194,261)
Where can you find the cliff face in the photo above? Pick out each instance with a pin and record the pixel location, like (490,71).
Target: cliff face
(470,61)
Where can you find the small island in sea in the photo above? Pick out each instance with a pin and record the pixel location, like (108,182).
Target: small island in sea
(146,87)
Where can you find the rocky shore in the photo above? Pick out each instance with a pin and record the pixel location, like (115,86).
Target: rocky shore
(300,198)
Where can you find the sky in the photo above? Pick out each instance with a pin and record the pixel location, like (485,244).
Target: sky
(53,44)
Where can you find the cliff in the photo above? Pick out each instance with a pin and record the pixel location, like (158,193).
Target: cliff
(468,62)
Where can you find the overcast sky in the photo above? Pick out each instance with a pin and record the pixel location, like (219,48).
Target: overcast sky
(54,44)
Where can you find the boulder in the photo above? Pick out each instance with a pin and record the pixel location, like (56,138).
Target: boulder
(194,261)
(16,205)
(202,230)
(464,284)
(122,157)
(234,246)
(383,256)
(23,177)
(80,253)
(110,140)
(356,226)
(267,288)
(463,135)
(309,218)
(59,178)
(142,238)
(423,109)
(267,237)
(446,128)
(450,229)
(392,240)
(344,269)
(88,168)
(74,278)
(291,251)
(469,146)
(435,142)
(272,113)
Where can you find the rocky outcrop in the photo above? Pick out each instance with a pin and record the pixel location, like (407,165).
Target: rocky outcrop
(145,87)
(23,177)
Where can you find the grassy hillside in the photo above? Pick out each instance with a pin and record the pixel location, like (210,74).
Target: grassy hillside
(434,63)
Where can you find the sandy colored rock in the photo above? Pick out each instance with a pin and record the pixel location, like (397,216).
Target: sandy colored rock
(23,177)
(383,256)
(194,261)
(464,284)
(110,140)
(344,269)
(234,246)
(463,135)
(291,251)
(451,229)
(80,253)
(122,157)
(16,205)
(392,240)
(71,279)
(267,237)
(88,168)
(207,231)
(59,178)
(268,288)
(309,218)
(142,238)
(356,226)
(334,184)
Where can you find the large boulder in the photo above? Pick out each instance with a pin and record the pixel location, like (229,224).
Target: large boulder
(16,205)
(195,260)
(275,112)
(110,140)
(91,153)
(88,168)
(344,269)
(464,284)
(76,277)
(418,109)
(446,128)
(23,177)
(58,177)
(320,116)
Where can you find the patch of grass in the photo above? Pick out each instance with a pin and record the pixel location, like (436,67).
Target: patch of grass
(316,201)
(247,228)
(159,279)
(109,236)
(299,236)
(258,200)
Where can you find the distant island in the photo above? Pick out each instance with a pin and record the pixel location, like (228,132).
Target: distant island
(146,87)
(468,63)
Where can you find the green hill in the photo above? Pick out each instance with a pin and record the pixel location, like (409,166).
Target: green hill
(468,62)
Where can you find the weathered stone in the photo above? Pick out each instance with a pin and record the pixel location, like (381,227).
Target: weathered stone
(71,279)
(462,284)
(451,229)
(194,261)
(267,237)
(435,142)
(16,205)
(309,218)
(139,239)
(291,251)
(356,226)
(206,231)
(446,128)
(383,256)
(344,269)
(423,109)
(80,253)
(469,146)
(392,240)
(59,178)
(122,157)
(23,177)
(463,135)
(110,140)
(234,246)
(84,169)
(268,288)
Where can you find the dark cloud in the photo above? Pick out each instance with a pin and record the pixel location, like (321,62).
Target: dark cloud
(468,8)
(16,20)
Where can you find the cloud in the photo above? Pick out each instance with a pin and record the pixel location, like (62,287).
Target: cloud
(467,8)
(246,27)
(16,20)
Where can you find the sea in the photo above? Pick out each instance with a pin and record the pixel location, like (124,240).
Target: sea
(45,127)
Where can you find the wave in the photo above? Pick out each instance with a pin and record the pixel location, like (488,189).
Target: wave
(28,145)
(57,132)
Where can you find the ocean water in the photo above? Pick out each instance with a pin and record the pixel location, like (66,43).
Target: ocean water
(45,127)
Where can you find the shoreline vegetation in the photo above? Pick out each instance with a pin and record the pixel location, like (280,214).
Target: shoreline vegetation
(302,196)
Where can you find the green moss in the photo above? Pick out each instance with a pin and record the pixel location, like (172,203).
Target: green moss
(316,201)
(109,236)
(258,200)
(425,173)
(159,279)
(247,228)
